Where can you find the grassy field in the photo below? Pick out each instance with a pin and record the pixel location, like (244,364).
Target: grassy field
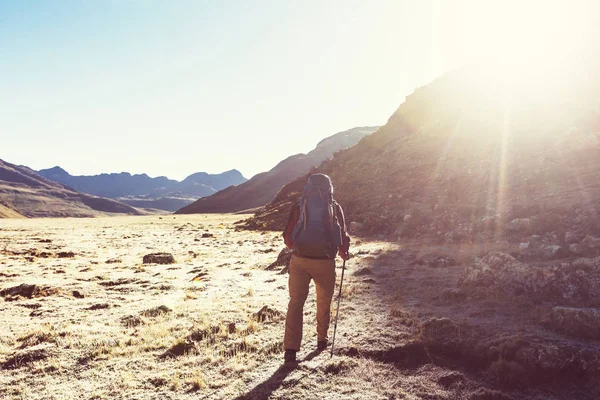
(83,317)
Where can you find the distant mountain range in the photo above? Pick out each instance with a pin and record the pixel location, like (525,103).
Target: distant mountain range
(261,189)
(143,191)
(24,193)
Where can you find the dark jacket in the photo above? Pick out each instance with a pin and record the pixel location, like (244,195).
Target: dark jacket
(294,217)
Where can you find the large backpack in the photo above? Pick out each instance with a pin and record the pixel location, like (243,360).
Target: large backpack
(317,233)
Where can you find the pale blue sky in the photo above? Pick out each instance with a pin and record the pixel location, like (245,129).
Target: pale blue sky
(176,87)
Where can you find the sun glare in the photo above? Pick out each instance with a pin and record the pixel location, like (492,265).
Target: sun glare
(526,38)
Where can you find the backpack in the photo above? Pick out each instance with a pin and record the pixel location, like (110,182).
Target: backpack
(317,233)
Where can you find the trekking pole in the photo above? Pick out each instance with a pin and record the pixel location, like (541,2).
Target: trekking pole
(338,308)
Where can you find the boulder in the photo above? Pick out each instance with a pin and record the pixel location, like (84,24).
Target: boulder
(576,283)
(283,260)
(583,323)
(159,258)
(576,249)
(551,252)
(591,242)
(571,238)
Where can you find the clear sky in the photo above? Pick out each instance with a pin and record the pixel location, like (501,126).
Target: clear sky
(176,87)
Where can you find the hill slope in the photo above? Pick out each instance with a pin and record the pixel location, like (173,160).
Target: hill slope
(25,193)
(259,190)
(140,190)
(472,157)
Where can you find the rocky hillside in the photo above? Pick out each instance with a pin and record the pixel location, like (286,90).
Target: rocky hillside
(140,190)
(25,193)
(474,157)
(259,190)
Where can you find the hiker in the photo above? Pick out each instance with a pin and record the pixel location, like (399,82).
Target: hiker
(316,232)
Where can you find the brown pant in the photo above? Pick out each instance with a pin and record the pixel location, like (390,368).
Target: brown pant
(302,270)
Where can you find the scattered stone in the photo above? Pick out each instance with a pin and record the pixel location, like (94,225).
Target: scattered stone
(575,284)
(591,242)
(576,249)
(157,311)
(440,262)
(159,258)
(45,241)
(65,254)
(268,314)
(207,235)
(113,261)
(583,323)
(522,226)
(28,291)
(283,260)
(100,306)
(78,295)
(551,252)
(266,251)
(524,246)
(571,238)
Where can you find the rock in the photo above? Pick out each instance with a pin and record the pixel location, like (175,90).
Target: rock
(441,262)
(159,258)
(267,314)
(28,291)
(207,235)
(524,246)
(591,242)
(582,323)
(407,218)
(571,238)
(283,260)
(78,295)
(576,283)
(101,306)
(576,248)
(113,261)
(521,226)
(66,254)
(551,252)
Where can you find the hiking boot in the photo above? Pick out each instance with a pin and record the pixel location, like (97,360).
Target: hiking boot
(290,356)
(322,344)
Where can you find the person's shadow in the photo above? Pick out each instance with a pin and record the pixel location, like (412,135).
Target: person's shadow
(265,389)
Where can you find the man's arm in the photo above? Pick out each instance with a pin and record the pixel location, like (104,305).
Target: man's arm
(291,223)
(345,246)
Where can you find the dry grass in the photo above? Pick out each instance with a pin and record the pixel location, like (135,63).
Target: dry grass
(163,335)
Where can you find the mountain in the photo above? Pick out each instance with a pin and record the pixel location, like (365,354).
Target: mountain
(25,193)
(474,157)
(140,190)
(259,190)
